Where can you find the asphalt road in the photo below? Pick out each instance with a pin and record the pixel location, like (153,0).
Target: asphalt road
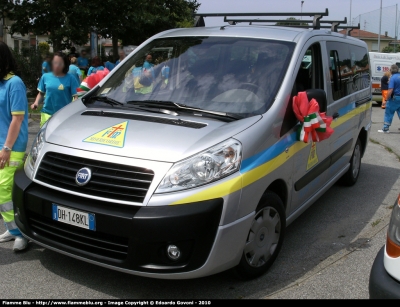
(328,251)
(389,140)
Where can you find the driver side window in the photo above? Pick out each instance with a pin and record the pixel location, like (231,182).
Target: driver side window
(309,76)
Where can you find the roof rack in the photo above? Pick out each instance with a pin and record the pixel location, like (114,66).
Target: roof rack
(334,26)
(317,23)
(349,29)
(199,17)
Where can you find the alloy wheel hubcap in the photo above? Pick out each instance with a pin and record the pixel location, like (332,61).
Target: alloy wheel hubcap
(263,237)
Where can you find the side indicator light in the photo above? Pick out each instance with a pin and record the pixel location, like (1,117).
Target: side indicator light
(392,249)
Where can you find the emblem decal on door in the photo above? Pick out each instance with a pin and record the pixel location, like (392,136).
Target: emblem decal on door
(112,136)
(313,157)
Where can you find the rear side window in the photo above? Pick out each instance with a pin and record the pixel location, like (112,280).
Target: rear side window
(349,69)
(360,67)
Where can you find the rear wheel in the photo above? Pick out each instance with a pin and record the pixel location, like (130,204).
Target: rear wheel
(351,177)
(265,237)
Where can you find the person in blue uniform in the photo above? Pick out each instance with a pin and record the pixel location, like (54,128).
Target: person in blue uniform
(109,65)
(121,57)
(393,96)
(46,67)
(96,66)
(13,141)
(74,70)
(83,62)
(56,89)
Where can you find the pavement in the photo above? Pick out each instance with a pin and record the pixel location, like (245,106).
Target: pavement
(389,140)
(33,126)
(327,253)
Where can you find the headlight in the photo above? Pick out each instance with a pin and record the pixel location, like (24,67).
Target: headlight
(37,146)
(211,165)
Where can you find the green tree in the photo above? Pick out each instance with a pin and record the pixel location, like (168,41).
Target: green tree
(29,66)
(299,23)
(6,7)
(44,48)
(391,49)
(61,20)
(134,21)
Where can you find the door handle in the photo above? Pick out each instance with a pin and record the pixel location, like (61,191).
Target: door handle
(336,115)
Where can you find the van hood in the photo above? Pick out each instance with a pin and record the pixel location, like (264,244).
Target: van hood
(140,135)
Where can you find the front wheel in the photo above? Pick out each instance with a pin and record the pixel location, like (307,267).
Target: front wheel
(265,237)
(350,178)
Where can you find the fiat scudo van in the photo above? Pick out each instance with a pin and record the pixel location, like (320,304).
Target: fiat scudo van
(188,162)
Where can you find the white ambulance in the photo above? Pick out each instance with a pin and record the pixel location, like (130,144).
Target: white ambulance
(380,63)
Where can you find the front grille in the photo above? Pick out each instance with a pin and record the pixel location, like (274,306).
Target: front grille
(82,239)
(109,180)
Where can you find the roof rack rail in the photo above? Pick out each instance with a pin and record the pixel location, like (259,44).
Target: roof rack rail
(334,27)
(347,28)
(287,22)
(334,24)
(350,28)
(199,17)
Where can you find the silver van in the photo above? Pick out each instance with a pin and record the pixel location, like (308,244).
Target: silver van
(185,160)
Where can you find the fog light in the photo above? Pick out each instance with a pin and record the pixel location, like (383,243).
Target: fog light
(173,252)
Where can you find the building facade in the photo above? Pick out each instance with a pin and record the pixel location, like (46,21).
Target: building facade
(17,41)
(371,39)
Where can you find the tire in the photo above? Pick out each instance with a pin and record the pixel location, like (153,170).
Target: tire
(265,237)
(350,178)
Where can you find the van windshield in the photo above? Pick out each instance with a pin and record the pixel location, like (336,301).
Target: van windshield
(232,75)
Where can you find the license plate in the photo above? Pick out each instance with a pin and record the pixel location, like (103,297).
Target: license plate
(74,217)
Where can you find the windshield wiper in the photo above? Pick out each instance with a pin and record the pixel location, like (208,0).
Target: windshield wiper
(113,102)
(181,107)
(110,101)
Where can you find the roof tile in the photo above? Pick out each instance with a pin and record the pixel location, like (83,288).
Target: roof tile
(358,33)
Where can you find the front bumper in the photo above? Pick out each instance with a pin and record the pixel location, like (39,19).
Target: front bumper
(381,284)
(130,238)
(377,97)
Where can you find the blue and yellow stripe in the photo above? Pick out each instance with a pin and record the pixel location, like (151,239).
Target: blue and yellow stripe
(9,76)
(265,162)
(18,113)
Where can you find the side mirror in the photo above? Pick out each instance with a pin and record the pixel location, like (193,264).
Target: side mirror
(320,97)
